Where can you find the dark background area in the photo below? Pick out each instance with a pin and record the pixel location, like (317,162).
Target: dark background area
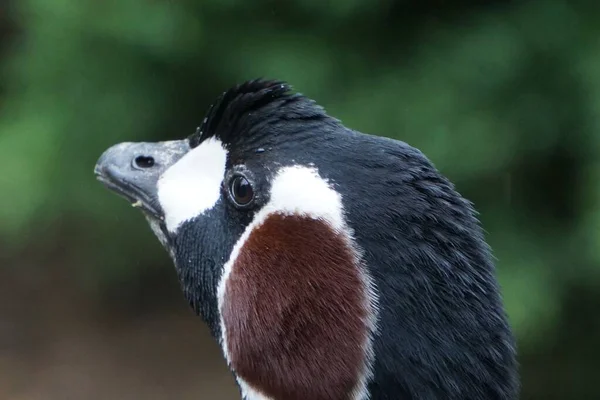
(503,96)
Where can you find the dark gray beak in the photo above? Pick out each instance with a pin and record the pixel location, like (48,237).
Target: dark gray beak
(132,171)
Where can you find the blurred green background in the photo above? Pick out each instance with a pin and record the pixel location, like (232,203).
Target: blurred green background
(503,96)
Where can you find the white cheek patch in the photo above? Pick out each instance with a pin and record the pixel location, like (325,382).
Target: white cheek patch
(299,190)
(193,184)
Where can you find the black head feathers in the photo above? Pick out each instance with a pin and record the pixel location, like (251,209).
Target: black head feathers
(253,104)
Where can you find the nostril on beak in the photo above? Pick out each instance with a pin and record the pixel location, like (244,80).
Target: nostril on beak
(143,162)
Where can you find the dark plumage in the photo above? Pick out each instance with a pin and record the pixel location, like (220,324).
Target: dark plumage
(441,331)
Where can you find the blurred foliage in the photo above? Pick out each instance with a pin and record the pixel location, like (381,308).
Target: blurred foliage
(503,96)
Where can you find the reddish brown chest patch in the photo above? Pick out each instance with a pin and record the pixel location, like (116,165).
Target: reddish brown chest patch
(295,311)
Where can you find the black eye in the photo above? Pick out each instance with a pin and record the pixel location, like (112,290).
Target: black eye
(241,191)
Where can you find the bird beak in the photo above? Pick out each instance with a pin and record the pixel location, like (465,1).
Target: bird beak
(132,171)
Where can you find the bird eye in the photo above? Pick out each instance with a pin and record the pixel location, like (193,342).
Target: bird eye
(241,191)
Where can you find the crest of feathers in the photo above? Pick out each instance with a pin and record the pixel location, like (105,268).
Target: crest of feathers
(233,110)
